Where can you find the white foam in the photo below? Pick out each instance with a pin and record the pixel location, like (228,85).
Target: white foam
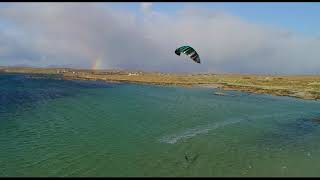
(189,133)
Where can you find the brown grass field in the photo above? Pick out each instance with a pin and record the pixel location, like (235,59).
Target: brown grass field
(299,86)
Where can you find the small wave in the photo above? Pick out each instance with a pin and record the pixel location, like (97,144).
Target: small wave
(196,131)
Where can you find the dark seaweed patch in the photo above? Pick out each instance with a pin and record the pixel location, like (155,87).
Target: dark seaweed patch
(18,89)
(290,133)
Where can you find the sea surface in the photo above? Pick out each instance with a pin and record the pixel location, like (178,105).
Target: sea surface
(55,127)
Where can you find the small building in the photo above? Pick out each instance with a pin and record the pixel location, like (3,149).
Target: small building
(132,74)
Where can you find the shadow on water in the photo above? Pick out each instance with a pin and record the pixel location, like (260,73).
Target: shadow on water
(18,89)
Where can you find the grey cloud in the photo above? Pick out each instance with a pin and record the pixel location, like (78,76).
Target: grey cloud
(78,34)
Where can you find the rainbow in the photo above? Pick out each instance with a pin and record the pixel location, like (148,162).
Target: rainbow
(96,64)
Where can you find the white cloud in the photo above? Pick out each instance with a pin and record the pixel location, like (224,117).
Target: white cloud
(146,7)
(70,33)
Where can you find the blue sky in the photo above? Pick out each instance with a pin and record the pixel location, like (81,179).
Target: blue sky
(297,16)
(229,37)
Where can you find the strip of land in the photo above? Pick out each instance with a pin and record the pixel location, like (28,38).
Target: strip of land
(299,86)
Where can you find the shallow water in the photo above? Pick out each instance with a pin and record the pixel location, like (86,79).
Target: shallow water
(53,127)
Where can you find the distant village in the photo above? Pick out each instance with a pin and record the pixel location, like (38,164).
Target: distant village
(69,71)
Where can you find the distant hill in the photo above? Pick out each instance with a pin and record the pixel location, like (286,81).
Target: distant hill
(61,66)
(21,65)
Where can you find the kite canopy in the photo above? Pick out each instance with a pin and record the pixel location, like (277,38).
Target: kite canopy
(189,51)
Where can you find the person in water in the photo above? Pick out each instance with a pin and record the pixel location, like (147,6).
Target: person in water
(186,157)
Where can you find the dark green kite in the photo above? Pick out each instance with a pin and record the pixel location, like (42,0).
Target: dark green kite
(189,51)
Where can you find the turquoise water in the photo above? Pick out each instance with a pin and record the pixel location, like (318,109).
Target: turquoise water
(53,127)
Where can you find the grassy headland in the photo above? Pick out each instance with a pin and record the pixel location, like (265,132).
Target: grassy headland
(299,86)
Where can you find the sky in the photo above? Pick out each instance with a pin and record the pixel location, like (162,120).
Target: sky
(267,38)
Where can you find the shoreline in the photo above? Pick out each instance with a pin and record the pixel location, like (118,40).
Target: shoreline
(298,86)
